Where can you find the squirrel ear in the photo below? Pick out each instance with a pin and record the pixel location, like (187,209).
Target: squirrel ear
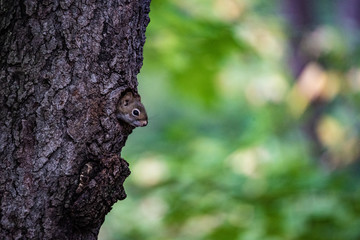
(126,98)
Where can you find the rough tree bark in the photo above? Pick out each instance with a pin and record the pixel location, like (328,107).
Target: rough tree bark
(64,65)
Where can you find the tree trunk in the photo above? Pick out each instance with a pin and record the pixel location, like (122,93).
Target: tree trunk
(64,65)
(301,20)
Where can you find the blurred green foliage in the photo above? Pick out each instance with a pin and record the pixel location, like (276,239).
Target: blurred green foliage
(225,155)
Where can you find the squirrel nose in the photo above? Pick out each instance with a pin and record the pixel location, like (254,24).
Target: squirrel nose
(144,123)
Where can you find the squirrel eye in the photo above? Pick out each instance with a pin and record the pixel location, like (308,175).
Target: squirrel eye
(136,112)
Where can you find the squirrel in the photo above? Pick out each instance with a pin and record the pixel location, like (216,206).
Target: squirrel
(131,110)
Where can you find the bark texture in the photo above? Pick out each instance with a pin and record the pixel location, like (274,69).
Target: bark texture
(64,65)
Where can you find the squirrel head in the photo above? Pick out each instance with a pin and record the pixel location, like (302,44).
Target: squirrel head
(131,110)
